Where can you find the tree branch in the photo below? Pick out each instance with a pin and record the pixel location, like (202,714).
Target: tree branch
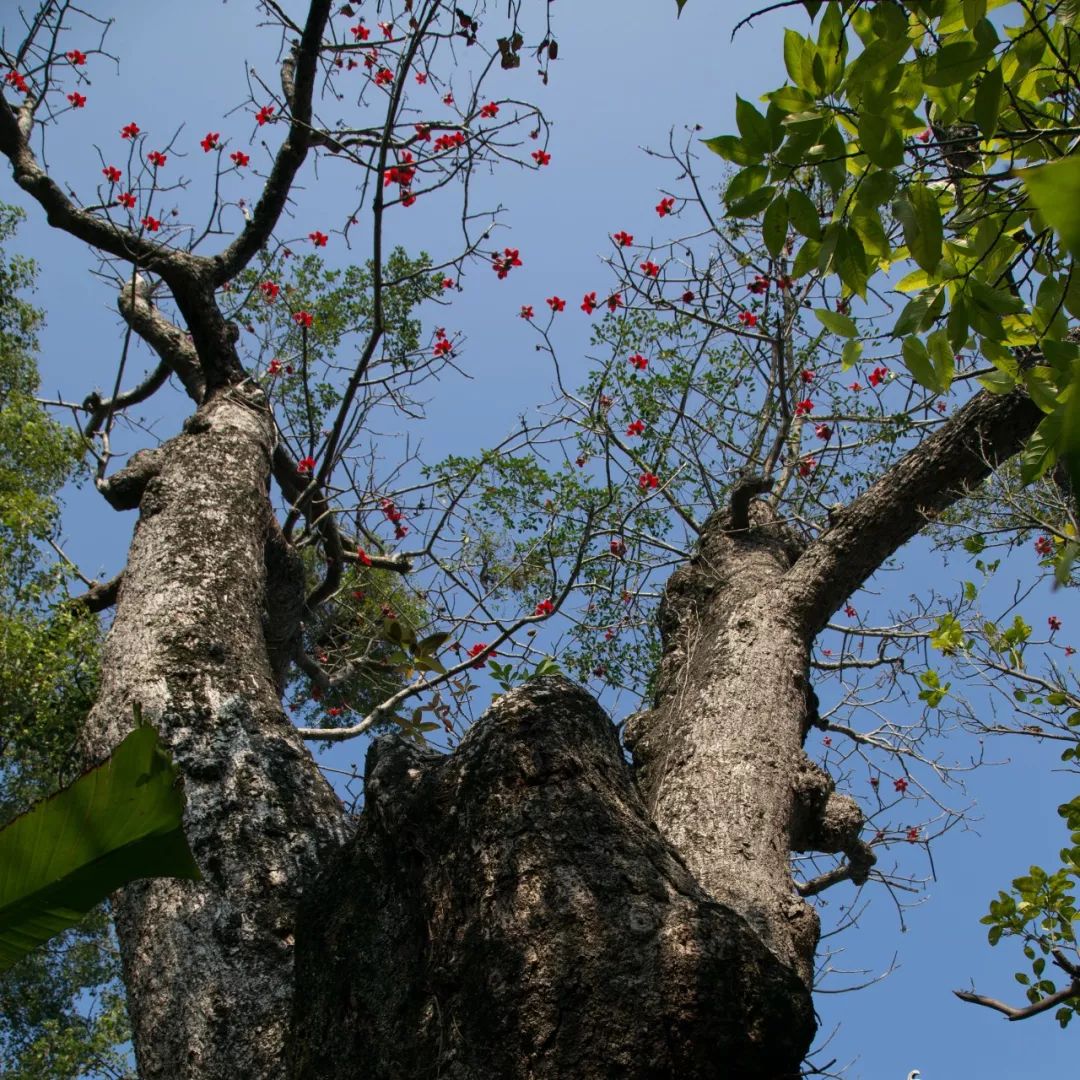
(1014,1013)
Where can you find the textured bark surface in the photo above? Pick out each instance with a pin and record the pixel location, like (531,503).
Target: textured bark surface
(511,911)
(208,966)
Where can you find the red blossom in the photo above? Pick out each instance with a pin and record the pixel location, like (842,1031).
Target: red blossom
(363,557)
(856,386)
(614,301)
(210,141)
(481,651)
(545,607)
(874,781)
(688,297)
(664,206)
(803,407)
(305,466)
(623,239)
(580,461)
(156,158)
(504,263)
(239,158)
(555,303)
(827,740)
(650,269)
(387,29)
(112,174)
(900,785)
(747,318)
(447,283)
(274,367)
(334,710)
(421,77)
(151,224)
(849,611)
(371,58)
(638,362)
(588,305)
(648,480)
(924,135)
(318,238)
(126,199)
(270,290)
(807,466)
(1044,546)
(129,131)
(443,347)
(912,835)
(878,375)
(541,157)
(617,547)
(489,111)
(384,77)
(1054,623)
(526,311)
(783,283)
(76,58)
(264,115)
(823,432)
(13,78)
(759,285)
(303,319)
(806,375)
(637,427)
(448,99)
(360,32)
(78,101)
(1069,650)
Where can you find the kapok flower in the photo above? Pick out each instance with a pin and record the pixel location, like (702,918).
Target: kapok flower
(151,224)
(447,283)
(650,269)
(210,141)
(1069,650)
(555,303)
(648,480)
(623,239)
(264,115)
(688,297)
(274,367)
(305,466)
(270,290)
(912,835)
(112,174)
(664,206)
(387,29)
(129,131)
(545,607)
(504,263)
(588,305)
(806,375)
(900,785)
(156,158)
(363,557)
(421,77)
(239,158)
(443,347)
(1054,623)
(360,32)
(78,101)
(126,199)
(617,547)
(856,386)
(638,362)
(637,427)
(614,301)
(878,375)
(924,135)
(13,78)
(481,651)
(384,77)
(806,466)
(541,157)
(303,319)
(747,318)
(489,111)
(526,311)
(803,407)
(823,432)
(76,58)
(1044,546)
(783,283)
(759,285)
(318,238)
(849,611)
(448,99)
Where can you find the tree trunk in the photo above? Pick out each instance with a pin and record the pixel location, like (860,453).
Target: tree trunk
(208,965)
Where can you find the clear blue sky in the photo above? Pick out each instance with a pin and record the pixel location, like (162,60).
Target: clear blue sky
(627,74)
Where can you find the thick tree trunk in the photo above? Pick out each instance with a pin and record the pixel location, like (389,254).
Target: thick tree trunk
(510,911)
(208,966)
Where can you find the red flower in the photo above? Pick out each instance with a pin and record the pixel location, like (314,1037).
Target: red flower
(334,710)
(900,785)
(112,174)
(556,304)
(856,386)
(650,269)
(13,78)
(526,311)
(588,305)
(843,307)
(129,131)
(912,835)
(617,548)
(239,158)
(75,57)
(264,115)
(127,199)
(784,282)
(421,77)
(924,135)
(387,29)
(614,301)
(151,224)
(664,206)
(1054,623)
(759,285)
(270,290)
(688,297)
(606,402)
(1044,546)
(849,611)
(384,77)
(1069,650)
(636,428)
(78,101)
(504,263)
(447,283)
(541,157)
(878,375)
(623,239)
(443,347)
(318,238)
(363,557)
(747,318)
(210,142)
(804,407)
(638,362)
(545,607)
(648,480)
(827,740)
(580,461)
(480,650)
(360,32)
(823,432)
(156,158)
(806,375)
(274,367)
(489,111)
(302,318)
(807,466)
(305,466)
(940,406)
(874,781)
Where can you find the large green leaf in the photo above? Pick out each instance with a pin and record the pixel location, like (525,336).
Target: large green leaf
(1055,191)
(118,822)
(918,212)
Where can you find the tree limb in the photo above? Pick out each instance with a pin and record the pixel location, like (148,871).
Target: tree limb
(1014,1013)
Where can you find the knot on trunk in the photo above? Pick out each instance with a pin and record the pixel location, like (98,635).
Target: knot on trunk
(511,911)
(124,489)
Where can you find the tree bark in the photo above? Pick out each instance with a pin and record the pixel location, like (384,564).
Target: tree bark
(208,966)
(510,910)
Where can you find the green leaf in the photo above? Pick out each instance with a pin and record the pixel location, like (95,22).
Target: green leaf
(1054,189)
(732,149)
(803,214)
(753,127)
(988,101)
(880,140)
(943,358)
(753,204)
(917,361)
(774,225)
(836,323)
(952,64)
(974,12)
(850,355)
(918,213)
(118,822)
(746,182)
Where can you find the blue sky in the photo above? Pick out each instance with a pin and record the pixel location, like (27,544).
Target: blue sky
(628,74)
